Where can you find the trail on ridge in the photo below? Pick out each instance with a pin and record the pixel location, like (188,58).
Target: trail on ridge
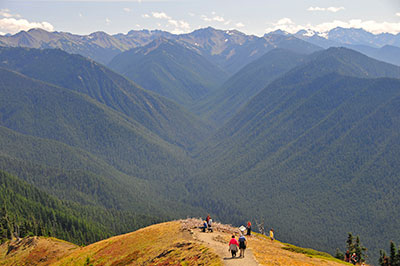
(218,241)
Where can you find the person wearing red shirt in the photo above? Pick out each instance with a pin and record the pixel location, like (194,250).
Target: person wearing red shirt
(233,246)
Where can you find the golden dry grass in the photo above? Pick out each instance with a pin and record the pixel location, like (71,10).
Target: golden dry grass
(34,251)
(161,244)
(269,252)
(172,243)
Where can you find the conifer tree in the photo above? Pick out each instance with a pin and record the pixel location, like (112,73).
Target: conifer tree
(349,243)
(383,260)
(392,252)
(393,259)
(339,255)
(359,250)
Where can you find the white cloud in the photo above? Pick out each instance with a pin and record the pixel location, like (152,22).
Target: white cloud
(80,15)
(218,18)
(191,14)
(373,26)
(173,22)
(13,25)
(108,21)
(205,18)
(398,14)
(214,18)
(160,15)
(180,26)
(239,25)
(6,13)
(127,9)
(330,9)
(145,16)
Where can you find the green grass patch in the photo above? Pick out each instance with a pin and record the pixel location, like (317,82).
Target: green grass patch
(312,253)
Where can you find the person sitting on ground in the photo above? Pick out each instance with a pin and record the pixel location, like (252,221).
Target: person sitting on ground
(242,245)
(233,246)
(204,227)
(354,259)
(210,229)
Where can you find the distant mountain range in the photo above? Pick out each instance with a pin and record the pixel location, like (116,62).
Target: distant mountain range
(170,69)
(231,50)
(384,46)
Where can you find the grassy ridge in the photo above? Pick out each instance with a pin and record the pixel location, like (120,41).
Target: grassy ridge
(161,244)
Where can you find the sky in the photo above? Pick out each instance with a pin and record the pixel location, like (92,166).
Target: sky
(182,16)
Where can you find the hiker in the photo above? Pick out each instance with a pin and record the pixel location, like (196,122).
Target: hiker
(242,245)
(210,225)
(233,246)
(354,259)
(248,227)
(204,227)
(347,256)
(271,234)
(208,218)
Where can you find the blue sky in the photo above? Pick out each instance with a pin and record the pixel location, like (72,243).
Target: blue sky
(180,16)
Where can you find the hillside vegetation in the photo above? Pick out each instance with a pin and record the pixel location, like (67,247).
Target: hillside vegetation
(172,243)
(27,211)
(170,69)
(75,73)
(225,102)
(314,154)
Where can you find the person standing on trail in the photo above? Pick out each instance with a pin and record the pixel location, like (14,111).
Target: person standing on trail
(233,246)
(248,227)
(347,256)
(242,245)
(271,234)
(210,229)
(208,218)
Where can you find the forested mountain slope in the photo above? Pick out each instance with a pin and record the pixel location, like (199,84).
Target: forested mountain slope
(315,154)
(78,140)
(162,117)
(28,211)
(170,69)
(246,83)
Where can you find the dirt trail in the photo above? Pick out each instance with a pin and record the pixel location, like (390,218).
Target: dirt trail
(218,242)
